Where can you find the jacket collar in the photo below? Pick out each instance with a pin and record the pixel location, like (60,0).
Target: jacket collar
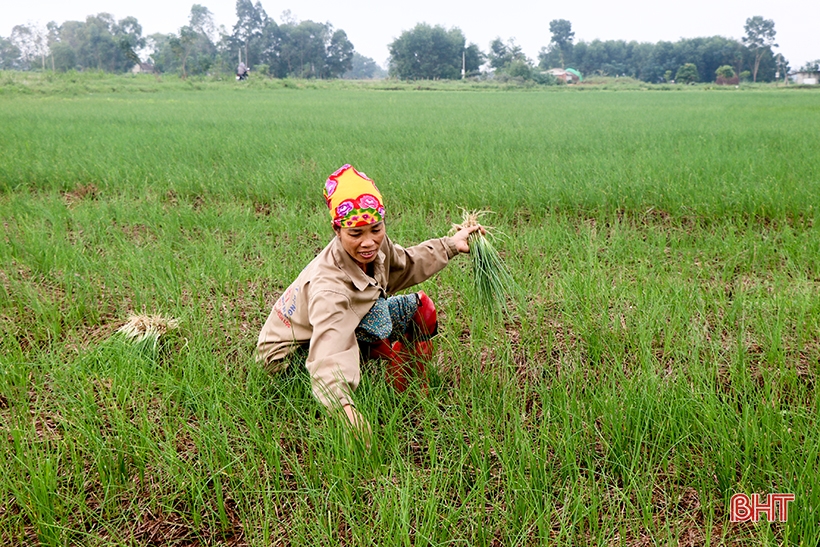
(360,279)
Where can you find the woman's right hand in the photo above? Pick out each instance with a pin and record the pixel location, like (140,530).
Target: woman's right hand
(460,237)
(359,426)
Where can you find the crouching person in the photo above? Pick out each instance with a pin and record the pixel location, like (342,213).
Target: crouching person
(342,306)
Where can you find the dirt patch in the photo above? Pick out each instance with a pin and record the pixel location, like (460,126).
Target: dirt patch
(80,193)
(261,209)
(808,360)
(171,198)
(139,234)
(165,528)
(529,369)
(46,425)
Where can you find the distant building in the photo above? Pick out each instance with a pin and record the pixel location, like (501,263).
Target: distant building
(568,75)
(805,78)
(143,68)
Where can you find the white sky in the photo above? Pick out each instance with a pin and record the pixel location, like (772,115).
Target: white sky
(372,25)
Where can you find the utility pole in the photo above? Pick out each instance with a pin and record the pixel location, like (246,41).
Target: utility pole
(463,64)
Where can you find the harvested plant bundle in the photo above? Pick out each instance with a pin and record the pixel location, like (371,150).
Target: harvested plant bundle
(140,328)
(493,281)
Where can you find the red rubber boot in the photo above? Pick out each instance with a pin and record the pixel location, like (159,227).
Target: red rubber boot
(403,360)
(426,320)
(425,316)
(396,369)
(421,351)
(415,357)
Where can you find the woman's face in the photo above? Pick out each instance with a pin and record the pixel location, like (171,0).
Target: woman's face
(362,242)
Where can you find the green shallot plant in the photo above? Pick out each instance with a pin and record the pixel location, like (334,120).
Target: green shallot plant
(492,279)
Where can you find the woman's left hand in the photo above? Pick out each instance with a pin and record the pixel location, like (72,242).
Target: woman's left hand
(460,237)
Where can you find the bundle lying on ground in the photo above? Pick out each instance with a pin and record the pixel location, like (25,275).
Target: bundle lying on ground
(492,279)
(139,328)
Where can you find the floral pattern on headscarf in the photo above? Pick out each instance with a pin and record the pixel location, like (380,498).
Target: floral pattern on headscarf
(330,187)
(353,199)
(344,208)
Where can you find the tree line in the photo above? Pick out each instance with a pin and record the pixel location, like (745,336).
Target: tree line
(661,61)
(304,49)
(308,49)
(687,60)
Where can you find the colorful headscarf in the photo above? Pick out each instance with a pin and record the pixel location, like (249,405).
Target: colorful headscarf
(353,199)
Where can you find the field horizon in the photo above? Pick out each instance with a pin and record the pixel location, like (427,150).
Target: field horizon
(91,81)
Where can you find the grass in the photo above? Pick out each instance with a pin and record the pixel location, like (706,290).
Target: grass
(665,358)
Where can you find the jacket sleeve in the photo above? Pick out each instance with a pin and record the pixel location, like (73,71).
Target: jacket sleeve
(333,357)
(415,264)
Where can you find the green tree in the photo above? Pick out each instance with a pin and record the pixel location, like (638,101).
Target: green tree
(182,45)
(63,57)
(473,59)
(307,50)
(9,55)
(811,66)
(201,20)
(502,54)
(561,41)
(426,52)
(193,46)
(338,54)
(100,49)
(759,39)
(363,68)
(100,42)
(709,54)
(508,61)
(725,71)
(687,74)
(247,36)
(191,50)
(664,61)
(610,58)
(650,62)
(781,66)
(128,34)
(519,69)
(32,43)
(162,53)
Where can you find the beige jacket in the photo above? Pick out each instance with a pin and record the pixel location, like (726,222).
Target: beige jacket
(327,302)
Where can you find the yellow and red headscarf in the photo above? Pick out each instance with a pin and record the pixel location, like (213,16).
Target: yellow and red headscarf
(353,199)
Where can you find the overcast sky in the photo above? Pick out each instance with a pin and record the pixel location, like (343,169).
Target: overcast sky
(372,25)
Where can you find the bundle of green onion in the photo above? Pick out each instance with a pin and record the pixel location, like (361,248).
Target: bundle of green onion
(143,329)
(493,282)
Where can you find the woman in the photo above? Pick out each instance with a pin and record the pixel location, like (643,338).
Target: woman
(340,300)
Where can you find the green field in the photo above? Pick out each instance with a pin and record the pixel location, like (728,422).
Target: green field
(665,356)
